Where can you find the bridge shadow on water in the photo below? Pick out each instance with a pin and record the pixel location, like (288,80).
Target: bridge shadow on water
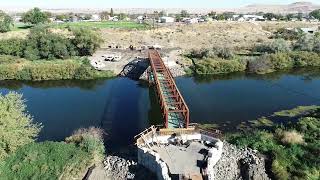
(135,68)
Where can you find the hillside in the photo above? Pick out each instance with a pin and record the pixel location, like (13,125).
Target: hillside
(303,7)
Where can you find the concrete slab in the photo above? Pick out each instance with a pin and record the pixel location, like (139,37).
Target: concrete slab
(183,160)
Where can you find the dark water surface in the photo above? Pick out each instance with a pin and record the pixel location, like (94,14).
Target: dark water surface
(123,107)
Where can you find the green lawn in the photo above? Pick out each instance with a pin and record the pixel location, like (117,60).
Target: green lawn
(100,25)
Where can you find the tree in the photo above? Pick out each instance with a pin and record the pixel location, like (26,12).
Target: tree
(86,41)
(16,126)
(35,16)
(122,16)
(184,14)
(162,13)
(104,15)
(87,17)
(212,14)
(315,14)
(270,16)
(300,16)
(289,17)
(111,12)
(5,22)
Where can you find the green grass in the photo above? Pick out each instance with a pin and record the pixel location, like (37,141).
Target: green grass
(20,26)
(103,25)
(128,25)
(48,160)
(300,110)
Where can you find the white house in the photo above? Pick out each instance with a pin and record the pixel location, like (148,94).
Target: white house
(190,20)
(166,19)
(96,17)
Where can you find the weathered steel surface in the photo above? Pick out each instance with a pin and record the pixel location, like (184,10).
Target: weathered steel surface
(174,109)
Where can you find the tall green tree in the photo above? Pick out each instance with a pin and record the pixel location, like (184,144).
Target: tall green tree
(16,126)
(35,16)
(315,14)
(104,15)
(184,14)
(86,41)
(111,12)
(5,22)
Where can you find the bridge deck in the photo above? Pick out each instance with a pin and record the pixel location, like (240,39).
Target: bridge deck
(174,109)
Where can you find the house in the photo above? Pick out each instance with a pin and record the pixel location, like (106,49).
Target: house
(253,18)
(114,18)
(166,19)
(95,17)
(17,18)
(311,30)
(190,20)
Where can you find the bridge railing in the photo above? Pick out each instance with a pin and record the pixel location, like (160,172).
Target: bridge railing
(158,64)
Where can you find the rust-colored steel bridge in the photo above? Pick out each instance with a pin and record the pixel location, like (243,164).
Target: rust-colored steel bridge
(174,109)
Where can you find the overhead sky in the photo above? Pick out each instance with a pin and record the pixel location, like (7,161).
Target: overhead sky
(139,3)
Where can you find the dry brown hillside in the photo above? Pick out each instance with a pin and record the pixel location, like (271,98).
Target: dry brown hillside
(238,35)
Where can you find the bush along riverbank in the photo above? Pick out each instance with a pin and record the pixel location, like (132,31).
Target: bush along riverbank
(292,150)
(263,58)
(12,68)
(48,54)
(23,158)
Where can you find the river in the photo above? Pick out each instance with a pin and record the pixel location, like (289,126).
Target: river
(123,107)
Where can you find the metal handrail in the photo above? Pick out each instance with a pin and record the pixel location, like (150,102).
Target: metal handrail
(159,65)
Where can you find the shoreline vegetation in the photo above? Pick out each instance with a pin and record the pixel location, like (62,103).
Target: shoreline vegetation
(21,157)
(280,54)
(46,54)
(289,139)
(77,68)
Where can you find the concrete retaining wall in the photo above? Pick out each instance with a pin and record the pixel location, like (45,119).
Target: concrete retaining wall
(152,161)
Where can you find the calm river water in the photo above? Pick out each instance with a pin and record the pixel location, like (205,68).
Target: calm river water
(124,107)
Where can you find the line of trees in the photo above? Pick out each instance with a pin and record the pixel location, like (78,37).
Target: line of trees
(42,43)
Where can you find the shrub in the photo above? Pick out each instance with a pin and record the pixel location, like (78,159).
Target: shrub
(220,52)
(42,43)
(279,61)
(50,70)
(13,47)
(5,22)
(90,140)
(47,160)
(261,64)
(305,43)
(16,126)
(291,137)
(288,34)
(198,53)
(219,66)
(224,53)
(278,45)
(85,41)
(279,171)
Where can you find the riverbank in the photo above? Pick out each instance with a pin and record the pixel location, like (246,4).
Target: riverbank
(291,148)
(260,65)
(14,68)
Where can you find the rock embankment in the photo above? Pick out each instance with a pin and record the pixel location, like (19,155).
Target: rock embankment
(118,168)
(240,164)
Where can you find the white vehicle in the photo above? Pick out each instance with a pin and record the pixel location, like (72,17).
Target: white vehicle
(109,57)
(116,58)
